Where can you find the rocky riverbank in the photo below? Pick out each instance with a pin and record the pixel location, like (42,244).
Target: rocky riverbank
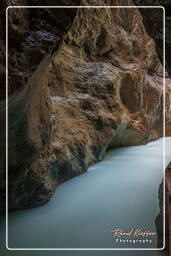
(159,219)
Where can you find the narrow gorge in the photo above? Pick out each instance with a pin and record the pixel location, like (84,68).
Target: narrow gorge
(84,81)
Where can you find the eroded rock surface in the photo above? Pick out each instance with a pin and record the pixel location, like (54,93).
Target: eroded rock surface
(102,88)
(33,33)
(153,21)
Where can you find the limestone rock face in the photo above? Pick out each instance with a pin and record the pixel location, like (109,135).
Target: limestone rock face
(102,88)
(153,22)
(32,34)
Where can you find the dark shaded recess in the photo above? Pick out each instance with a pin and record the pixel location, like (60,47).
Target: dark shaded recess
(159,222)
(128,95)
(153,21)
(167,9)
(31,38)
(87,49)
(26,188)
(136,48)
(98,152)
(86,105)
(63,170)
(2,48)
(159,218)
(97,122)
(101,40)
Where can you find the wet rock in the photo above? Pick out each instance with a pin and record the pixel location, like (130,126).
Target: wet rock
(101,88)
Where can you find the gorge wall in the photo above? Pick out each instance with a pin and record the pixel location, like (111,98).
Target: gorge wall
(153,22)
(99,87)
(32,34)
(167,210)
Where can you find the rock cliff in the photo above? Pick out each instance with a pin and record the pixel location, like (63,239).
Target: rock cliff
(167,210)
(153,22)
(101,88)
(32,34)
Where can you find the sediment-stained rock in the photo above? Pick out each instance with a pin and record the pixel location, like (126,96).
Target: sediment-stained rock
(102,88)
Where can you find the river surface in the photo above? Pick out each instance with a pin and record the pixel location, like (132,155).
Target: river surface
(119,192)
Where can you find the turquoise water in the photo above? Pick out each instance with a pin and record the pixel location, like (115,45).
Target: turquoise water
(119,192)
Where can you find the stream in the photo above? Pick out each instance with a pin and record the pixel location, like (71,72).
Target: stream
(120,192)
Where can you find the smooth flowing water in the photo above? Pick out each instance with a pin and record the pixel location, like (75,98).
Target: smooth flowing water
(119,192)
